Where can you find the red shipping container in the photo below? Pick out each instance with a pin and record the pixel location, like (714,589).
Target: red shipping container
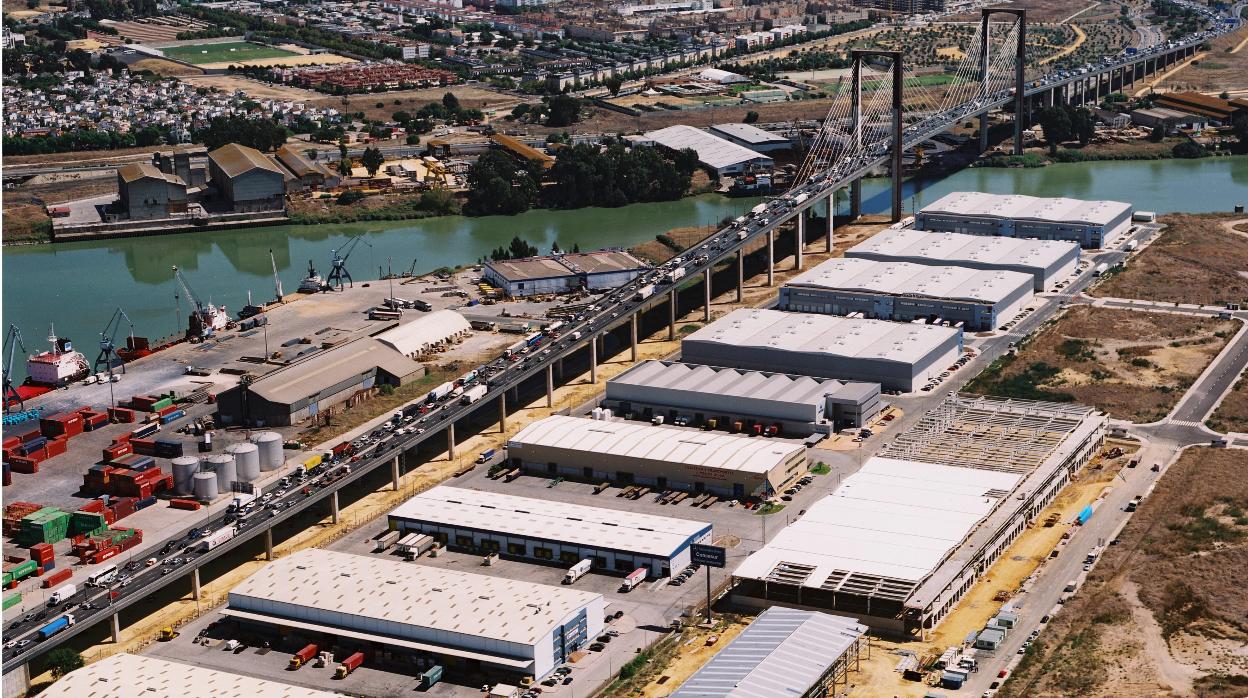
(166,410)
(110,516)
(94,506)
(42,552)
(10,442)
(57,577)
(116,450)
(94,420)
(58,446)
(30,435)
(189,504)
(25,465)
(105,554)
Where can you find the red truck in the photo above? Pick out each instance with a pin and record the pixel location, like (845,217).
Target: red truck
(349,665)
(302,657)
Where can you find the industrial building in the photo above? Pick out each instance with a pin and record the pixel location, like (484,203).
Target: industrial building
(1089,223)
(472,622)
(720,156)
(783,652)
(974,299)
(752,137)
(665,458)
(146,193)
(1170,120)
(898,543)
(427,333)
(246,180)
(551,531)
(307,174)
(561,273)
(800,405)
(311,386)
(1048,261)
(898,356)
(141,676)
(1214,110)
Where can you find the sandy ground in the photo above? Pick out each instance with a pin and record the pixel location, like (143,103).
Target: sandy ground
(1080,37)
(165,68)
(470,96)
(252,88)
(315,59)
(1223,67)
(690,656)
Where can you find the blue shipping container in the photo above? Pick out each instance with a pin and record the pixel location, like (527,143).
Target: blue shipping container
(1085,514)
(144,503)
(172,416)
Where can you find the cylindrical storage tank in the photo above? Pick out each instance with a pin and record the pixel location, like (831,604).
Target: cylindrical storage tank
(223,465)
(184,469)
(270,445)
(205,486)
(247,459)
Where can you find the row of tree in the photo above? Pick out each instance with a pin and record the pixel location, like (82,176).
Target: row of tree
(71,141)
(260,133)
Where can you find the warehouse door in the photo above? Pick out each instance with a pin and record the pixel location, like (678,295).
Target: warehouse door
(738,490)
(661,483)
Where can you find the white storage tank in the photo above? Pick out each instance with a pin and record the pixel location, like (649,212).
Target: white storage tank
(205,486)
(184,469)
(227,472)
(247,460)
(269,444)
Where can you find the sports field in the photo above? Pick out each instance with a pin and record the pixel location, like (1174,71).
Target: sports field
(198,54)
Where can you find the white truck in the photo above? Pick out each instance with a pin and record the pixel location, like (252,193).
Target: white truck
(216,538)
(441,391)
(758,210)
(1132,245)
(634,578)
(674,275)
(644,292)
(62,595)
(1100,269)
(577,571)
(242,499)
(473,394)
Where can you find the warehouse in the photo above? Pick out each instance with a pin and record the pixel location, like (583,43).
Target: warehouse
(897,356)
(1048,261)
(720,156)
(898,543)
(783,652)
(1089,223)
(800,405)
(427,333)
(246,180)
(752,137)
(312,386)
(660,457)
(562,273)
(472,622)
(551,531)
(974,299)
(141,676)
(147,193)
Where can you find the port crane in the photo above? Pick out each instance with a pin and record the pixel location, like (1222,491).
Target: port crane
(338,270)
(13,340)
(206,318)
(108,342)
(277,281)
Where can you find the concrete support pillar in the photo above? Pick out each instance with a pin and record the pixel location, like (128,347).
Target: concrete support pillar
(502,413)
(550,385)
(706,303)
(593,360)
(771,257)
(740,274)
(830,204)
(116,621)
(450,446)
(632,337)
(394,473)
(268,544)
(333,507)
(983,132)
(799,240)
(671,315)
(559,368)
(855,199)
(195,584)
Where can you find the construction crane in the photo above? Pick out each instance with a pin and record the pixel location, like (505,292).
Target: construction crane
(205,318)
(13,340)
(338,270)
(276,280)
(108,342)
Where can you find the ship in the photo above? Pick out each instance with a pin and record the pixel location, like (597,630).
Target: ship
(58,367)
(312,283)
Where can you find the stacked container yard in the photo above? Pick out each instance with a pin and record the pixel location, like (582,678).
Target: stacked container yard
(43,556)
(16,573)
(15,512)
(107,544)
(48,525)
(269,444)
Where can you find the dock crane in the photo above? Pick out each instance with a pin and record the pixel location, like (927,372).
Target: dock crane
(13,340)
(205,318)
(108,342)
(277,281)
(338,272)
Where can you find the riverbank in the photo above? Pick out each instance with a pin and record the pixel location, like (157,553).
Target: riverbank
(1096,152)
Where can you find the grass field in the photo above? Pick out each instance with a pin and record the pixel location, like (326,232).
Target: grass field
(198,54)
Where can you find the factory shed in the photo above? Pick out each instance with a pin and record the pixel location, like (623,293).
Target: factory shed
(722,77)
(317,383)
(977,299)
(783,652)
(601,269)
(752,137)
(246,179)
(468,621)
(898,356)
(146,193)
(141,676)
(1089,223)
(665,458)
(309,174)
(1048,261)
(800,405)
(426,333)
(545,530)
(721,156)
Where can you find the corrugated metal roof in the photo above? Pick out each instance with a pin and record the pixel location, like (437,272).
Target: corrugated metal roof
(140,676)
(956,248)
(570,264)
(136,171)
(784,652)
(908,279)
(235,159)
(750,133)
(415,336)
(298,164)
(1022,207)
(713,151)
(735,382)
(328,368)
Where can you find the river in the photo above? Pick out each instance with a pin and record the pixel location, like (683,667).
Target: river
(78,285)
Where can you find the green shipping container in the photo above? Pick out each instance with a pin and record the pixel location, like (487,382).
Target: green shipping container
(23,570)
(49,529)
(161,404)
(12,600)
(8,577)
(87,522)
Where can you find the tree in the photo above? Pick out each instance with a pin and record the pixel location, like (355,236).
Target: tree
(451,102)
(372,160)
(1240,128)
(64,660)
(565,110)
(499,186)
(261,134)
(1083,124)
(1188,149)
(349,197)
(517,249)
(750,117)
(401,116)
(344,160)
(614,83)
(1158,134)
(1057,126)
(554,247)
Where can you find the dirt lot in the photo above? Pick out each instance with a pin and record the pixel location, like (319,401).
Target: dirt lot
(252,88)
(164,68)
(1134,365)
(25,218)
(1196,260)
(1218,70)
(1039,10)
(1162,613)
(470,97)
(1232,414)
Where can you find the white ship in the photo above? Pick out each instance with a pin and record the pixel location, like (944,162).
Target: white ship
(59,366)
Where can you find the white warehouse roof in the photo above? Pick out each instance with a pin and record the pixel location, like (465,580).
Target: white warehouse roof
(723,77)
(596,527)
(735,383)
(713,151)
(1022,207)
(426,330)
(907,279)
(894,519)
(826,334)
(750,134)
(956,248)
(633,440)
(140,676)
(366,593)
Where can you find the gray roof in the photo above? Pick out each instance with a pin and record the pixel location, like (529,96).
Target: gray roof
(739,383)
(1023,207)
(570,264)
(325,369)
(915,280)
(784,652)
(235,159)
(957,249)
(713,151)
(749,133)
(140,676)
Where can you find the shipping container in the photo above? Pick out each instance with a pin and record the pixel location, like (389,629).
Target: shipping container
(56,626)
(473,394)
(189,504)
(302,657)
(431,677)
(57,577)
(216,538)
(349,665)
(12,600)
(62,594)
(577,571)
(385,540)
(634,578)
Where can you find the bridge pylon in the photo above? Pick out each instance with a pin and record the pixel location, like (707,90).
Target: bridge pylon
(898,124)
(1020,69)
